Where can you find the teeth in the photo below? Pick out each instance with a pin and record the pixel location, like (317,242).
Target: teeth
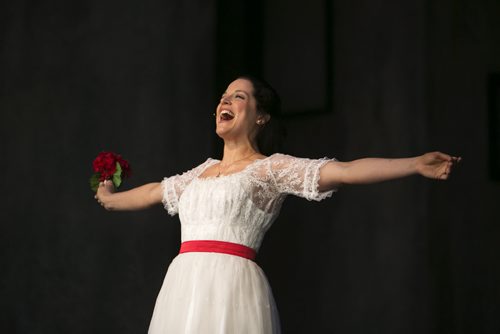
(226,112)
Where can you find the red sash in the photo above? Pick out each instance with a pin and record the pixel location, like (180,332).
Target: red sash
(215,246)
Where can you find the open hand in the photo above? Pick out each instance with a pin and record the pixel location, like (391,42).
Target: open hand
(436,165)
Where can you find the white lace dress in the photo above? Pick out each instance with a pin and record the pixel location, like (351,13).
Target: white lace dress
(221,293)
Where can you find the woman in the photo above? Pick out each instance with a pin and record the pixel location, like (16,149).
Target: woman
(226,206)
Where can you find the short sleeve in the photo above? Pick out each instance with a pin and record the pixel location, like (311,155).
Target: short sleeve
(299,176)
(174,186)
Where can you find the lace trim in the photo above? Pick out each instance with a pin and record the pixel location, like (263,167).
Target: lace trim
(298,176)
(169,200)
(316,194)
(245,170)
(269,177)
(174,186)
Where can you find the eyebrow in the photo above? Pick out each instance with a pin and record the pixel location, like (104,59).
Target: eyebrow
(237,91)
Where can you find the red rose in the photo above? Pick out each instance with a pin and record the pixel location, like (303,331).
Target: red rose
(105,167)
(126,171)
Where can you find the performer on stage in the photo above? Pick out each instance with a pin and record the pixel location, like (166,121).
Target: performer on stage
(226,206)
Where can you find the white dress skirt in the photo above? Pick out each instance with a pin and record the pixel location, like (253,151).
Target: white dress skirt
(219,293)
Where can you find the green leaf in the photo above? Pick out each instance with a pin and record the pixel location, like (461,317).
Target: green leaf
(94,181)
(117,176)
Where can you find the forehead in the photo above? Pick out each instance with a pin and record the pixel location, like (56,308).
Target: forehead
(240,84)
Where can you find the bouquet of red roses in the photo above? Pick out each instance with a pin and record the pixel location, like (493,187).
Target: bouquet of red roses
(109,166)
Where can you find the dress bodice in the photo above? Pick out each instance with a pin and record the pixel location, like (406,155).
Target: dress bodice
(239,207)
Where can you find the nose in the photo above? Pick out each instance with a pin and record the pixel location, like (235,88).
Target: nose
(225,100)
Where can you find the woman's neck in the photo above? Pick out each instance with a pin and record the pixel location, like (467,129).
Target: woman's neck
(238,151)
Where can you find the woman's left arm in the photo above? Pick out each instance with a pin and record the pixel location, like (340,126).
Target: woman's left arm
(434,165)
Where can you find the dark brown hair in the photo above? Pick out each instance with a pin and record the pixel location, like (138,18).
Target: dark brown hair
(271,136)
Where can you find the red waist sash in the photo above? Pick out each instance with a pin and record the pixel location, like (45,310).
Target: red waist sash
(215,246)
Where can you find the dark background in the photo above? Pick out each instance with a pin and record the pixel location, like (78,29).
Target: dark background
(143,77)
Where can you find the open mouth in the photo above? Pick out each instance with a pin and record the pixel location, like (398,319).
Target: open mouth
(226,115)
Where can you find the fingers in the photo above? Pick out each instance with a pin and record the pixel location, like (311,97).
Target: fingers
(448,168)
(447,171)
(443,156)
(451,163)
(99,200)
(445,174)
(448,157)
(108,185)
(97,196)
(105,188)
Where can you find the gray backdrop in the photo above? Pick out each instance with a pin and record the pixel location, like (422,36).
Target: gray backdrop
(143,78)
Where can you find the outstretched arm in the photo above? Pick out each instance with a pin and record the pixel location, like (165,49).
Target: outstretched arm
(135,199)
(435,165)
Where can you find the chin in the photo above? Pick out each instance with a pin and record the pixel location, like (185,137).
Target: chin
(221,132)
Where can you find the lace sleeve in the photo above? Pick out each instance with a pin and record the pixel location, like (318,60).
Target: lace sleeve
(173,186)
(299,176)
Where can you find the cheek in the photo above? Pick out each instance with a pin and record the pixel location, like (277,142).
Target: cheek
(251,113)
(250,120)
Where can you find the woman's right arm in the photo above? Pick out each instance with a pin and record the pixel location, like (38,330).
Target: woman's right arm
(135,199)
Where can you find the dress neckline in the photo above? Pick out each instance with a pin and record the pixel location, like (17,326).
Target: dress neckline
(214,161)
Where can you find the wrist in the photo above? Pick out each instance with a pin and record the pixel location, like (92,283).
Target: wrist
(417,165)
